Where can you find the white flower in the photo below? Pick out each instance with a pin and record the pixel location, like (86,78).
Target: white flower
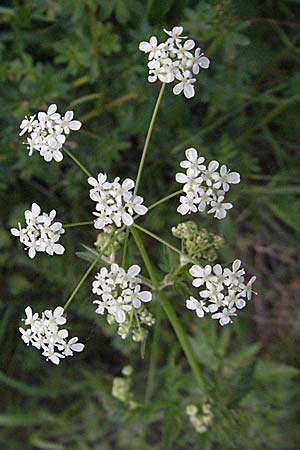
(199,307)
(44,334)
(47,132)
(184,50)
(120,291)
(186,84)
(193,161)
(197,61)
(224,317)
(219,208)
(115,203)
(173,60)
(188,204)
(66,123)
(28,125)
(40,234)
(201,275)
(151,47)
(175,34)
(223,289)
(225,178)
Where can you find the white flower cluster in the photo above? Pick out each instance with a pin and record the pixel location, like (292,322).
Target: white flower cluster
(204,186)
(115,203)
(40,234)
(47,132)
(44,333)
(173,60)
(120,291)
(224,289)
(200,422)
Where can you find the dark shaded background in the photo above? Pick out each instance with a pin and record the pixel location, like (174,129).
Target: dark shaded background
(83,55)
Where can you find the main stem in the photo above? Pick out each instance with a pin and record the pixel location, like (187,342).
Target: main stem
(170,312)
(148,137)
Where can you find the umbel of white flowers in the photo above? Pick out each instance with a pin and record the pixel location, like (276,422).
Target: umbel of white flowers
(47,132)
(204,186)
(40,233)
(44,334)
(115,203)
(120,291)
(222,291)
(173,61)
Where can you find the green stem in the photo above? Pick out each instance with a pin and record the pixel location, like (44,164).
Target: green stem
(125,247)
(162,241)
(79,164)
(86,274)
(165,199)
(154,355)
(77,224)
(148,137)
(170,312)
(81,281)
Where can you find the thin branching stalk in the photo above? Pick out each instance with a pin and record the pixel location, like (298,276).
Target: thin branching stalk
(79,164)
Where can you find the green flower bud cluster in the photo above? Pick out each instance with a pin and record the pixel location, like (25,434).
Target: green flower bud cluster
(197,244)
(103,241)
(136,324)
(121,388)
(200,422)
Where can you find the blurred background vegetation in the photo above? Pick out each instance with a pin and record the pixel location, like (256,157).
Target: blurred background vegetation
(83,55)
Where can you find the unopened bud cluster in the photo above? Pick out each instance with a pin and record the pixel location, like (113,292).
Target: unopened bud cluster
(44,334)
(108,242)
(40,234)
(204,186)
(47,132)
(197,243)
(137,325)
(115,203)
(173,61)
(200,421)
(223,290)
(121,388)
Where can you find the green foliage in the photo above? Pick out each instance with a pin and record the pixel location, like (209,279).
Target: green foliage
(83,55)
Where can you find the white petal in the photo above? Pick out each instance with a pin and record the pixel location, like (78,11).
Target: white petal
(189,44)
(69,116)
(35,209)
(77,347)
(181,178)
(31,253)
(58,249)
(234,178)
(140,209)
(75,125)
(59,310)
(145,47)
(191,154)
(120,316)
(177,89)
(15,231)
(127,219)
(189,91)
(196,271)
(204,62)
(183,209)
(51,110)
(134,270)
(145,296)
